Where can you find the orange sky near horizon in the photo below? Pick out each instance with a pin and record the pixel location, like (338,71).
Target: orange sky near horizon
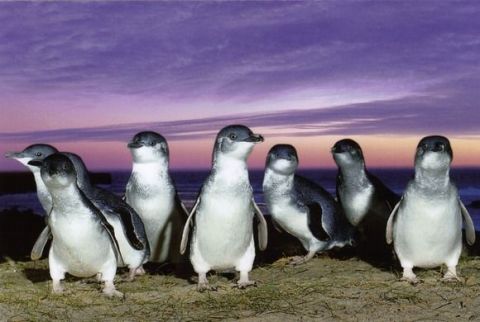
(314,152)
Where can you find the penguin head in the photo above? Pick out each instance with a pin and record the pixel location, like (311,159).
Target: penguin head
(283,159)
(347,152)
(83,179)
(148,147)
(236,141)
(58,171)
(434,153)
(33,155)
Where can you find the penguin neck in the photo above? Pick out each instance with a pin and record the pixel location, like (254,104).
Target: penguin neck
(432,179)
(66,198)
(281,179)
(354,174)
(282,182)
(156,168)
(230,168)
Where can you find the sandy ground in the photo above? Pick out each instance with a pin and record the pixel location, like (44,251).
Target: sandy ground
(324,289)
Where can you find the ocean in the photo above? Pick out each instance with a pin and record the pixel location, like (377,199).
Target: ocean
(188,184)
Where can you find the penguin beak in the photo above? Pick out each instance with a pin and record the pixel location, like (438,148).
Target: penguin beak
(35,163)
(13,155)
(134,145)
(255,138)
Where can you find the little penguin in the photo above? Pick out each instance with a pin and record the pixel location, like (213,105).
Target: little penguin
(426,225)
(128,227)
(366,201)
(83,242)
(301,207)
(222,217)
(152,193)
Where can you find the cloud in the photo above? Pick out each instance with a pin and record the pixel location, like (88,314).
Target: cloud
(230,50)
(452,114)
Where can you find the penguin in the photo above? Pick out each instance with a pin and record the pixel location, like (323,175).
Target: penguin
(83,241)
(366,201)
(36,152)
(127,225)
(151,192)
(301,207)
(426,225)
(125,221)
(222,216)
(32,154)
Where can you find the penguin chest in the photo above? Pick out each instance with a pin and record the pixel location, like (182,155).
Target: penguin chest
(224,227)
(356,203)
(80,243)
(427,231)
(153,203)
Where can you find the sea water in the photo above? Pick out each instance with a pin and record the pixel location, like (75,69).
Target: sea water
(189,182)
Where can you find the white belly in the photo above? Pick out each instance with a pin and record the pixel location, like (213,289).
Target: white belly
(356,204)
(80,244)
(428,233)
(156,212)
(292,221)
(223,228)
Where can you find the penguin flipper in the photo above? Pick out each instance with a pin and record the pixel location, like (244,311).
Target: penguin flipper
(315,222)
(181,206)
(106,225)
(40,243)
(469,227)
(262,227)
(186,228)
(127,217)
(389,229)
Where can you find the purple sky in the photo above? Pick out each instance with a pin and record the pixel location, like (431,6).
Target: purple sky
(86,76)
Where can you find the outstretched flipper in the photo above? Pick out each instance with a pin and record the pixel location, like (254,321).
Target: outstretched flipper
(315,222)
(186,228)
(469,228)
(39,245)
(262,227)
(389,229)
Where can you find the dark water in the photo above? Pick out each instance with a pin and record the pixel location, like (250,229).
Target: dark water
(189,182)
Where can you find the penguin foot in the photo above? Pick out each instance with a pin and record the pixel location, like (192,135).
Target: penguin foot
(110,291)
(244,285)
(202,287)
(451,275)
(297,260)
(451,278)
(57,288)
(411,279)
(140,271)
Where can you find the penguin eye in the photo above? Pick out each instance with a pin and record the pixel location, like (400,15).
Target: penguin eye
(152,143)
(38,154)
(232,136)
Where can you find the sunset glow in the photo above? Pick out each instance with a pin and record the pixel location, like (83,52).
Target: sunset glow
(86,76)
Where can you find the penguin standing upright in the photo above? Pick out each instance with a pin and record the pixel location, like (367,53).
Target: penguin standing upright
(222,216)
(151,192)
(366,201)
(83,242)
(426,225)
